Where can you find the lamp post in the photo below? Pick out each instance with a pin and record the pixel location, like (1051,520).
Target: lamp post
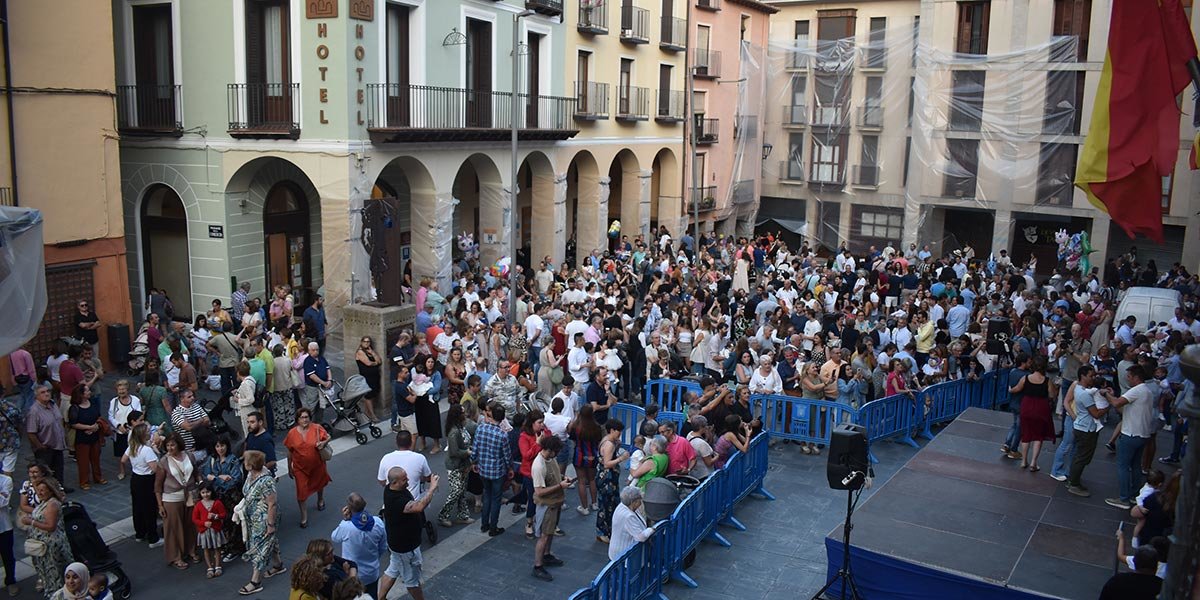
(512,186)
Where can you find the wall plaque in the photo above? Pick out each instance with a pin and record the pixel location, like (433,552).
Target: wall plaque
(321,9)
(363,10)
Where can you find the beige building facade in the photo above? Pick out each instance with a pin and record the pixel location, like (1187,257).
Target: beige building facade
(948,124)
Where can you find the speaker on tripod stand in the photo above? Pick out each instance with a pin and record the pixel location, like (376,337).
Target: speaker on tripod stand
(848,468)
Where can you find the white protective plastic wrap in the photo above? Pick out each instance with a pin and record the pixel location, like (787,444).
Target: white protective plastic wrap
(906,128)
(22,276)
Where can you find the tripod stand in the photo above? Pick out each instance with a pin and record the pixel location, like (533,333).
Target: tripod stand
(844,575)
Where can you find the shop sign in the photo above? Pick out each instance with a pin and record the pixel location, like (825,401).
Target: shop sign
(216,231)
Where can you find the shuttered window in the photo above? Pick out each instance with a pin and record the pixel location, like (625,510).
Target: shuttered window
(973,21)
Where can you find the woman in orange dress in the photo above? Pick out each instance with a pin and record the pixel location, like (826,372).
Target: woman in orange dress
(304,443)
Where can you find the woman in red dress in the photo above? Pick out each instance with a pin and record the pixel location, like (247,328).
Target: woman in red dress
(304,443)
(1037,424)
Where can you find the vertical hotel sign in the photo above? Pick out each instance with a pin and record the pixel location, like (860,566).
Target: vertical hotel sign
(363,10)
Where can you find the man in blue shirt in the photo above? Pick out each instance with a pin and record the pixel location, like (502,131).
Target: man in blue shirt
(958,317)
(363,537)
(493,461)
(1013,441)
(258,438)
(315,314)
(424,319)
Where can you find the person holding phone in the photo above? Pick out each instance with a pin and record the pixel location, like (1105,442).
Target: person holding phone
(549,494)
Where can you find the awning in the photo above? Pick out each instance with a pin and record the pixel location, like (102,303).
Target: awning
(796,226)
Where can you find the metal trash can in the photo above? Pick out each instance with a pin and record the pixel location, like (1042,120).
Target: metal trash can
(660,499)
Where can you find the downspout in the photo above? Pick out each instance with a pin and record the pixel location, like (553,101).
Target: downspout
(8,99)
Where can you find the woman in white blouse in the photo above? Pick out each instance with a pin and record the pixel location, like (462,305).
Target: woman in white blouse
(765,379)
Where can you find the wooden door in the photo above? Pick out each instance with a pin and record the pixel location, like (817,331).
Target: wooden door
(277,260)
(154,68)
(399,98)
(268,66)
(479,74)
(535,69)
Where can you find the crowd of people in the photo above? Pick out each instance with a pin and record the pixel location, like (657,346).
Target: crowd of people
(520,407)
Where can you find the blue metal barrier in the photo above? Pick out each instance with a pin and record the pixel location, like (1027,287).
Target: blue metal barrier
(641,570)
(799,419)
(669,393)
(631,416)
(893,416)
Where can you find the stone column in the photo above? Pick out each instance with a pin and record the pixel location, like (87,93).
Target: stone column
(558,252)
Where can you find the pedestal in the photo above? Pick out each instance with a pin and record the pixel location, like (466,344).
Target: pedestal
(383,325)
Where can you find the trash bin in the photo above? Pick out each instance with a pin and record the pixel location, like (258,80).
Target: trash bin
(660,499)
(119,343)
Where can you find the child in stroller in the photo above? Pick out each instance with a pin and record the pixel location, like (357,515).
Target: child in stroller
(346,404)
(89,548)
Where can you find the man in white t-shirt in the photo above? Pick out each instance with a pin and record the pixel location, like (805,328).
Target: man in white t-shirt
(413,463)
(812,328)
(579,362)
(1137,425)
(574,326)
(443,343)
(569,397)
(705,456)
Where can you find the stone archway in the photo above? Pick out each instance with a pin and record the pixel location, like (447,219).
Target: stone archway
(164,248)
(481,206)
(625,195)
(586,207)
(666,202)
(538,208)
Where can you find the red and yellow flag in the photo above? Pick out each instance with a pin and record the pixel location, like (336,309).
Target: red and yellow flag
(1134,137)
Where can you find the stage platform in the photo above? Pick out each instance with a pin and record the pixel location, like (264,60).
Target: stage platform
(961,521)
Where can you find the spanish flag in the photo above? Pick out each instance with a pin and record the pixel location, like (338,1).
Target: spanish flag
(1134,137)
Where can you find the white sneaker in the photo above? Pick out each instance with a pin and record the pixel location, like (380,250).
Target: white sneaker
(583,510)
(157,544)
(1059,477)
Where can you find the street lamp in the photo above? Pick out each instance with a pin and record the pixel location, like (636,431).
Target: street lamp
(512,186)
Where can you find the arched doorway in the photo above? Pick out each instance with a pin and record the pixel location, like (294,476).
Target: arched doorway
(482,204)
(585,224)
(536,199)
(166,263)
(624,196)
(666,203)
(287,242)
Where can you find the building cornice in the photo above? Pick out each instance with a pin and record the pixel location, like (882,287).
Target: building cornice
(756,5)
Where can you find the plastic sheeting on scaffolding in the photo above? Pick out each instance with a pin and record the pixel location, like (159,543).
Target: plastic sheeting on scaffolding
(22,275)
(933,132)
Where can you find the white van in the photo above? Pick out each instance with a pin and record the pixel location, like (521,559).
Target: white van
(1149,305)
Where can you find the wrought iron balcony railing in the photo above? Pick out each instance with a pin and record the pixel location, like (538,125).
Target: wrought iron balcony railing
(264,109)
(149,109)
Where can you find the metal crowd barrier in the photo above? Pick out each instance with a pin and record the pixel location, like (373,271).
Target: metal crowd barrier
(641,571)
(669,393)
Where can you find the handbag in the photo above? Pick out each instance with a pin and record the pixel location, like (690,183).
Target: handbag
(474,483)
(556,376)
(35,547)
(325,451)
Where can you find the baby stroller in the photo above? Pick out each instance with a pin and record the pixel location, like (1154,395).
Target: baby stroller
(139,352)
(89,548)
(344,401)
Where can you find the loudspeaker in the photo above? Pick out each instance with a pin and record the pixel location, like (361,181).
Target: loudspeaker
(847,454)
(999,334)
(118,343)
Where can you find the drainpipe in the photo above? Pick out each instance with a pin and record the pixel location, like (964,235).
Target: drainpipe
(8,98)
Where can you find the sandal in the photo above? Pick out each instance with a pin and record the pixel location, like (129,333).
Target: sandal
(321,505)
(218,571)
(275,571)
(209,574)
(179,564)
(303,524)
(253,587)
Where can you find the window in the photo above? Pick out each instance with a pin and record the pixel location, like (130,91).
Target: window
(1056,174)
(868,162)
(479,74)
(916,36)
(973,27)
(699,102)
(397,44)
(907,155)
(796,112)
(799,52)
(267,42)
(1064,99)
(833,94)
(665,107)
(832,27)
(912,85)
(1073,18)
(745,26)
(581,67)
(962,168)
(623,92)
(966,104)
(795,159)
(1168,184)
(829,158)
(881,225)
(877,50)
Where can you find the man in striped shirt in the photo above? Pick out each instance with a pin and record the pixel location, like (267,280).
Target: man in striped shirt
(186,417)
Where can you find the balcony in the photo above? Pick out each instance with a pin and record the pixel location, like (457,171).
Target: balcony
(419,113)
(791,170)
(669,107)
(674,34)
(706,64)
(870,117)
(591,101)
(264,110)
(706,130)
(745,126)
(149,110)
(743,191)
(827,175)
(635,25)
(873,59)
(6,196)
(633,103)
(704,198)
(866,176)
(795,115)
(829,116)
(798,61)
(550,8)
(713,5)
(593,17)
